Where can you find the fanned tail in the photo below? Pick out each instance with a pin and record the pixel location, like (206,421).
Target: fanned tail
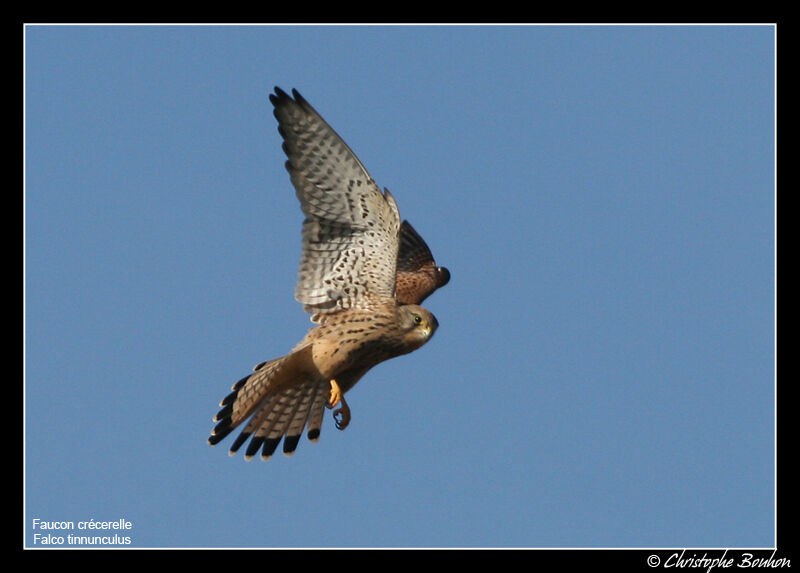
(280,398)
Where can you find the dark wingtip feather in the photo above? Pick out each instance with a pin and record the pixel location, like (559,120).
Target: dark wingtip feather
(278,95)
(234,391)
(413,252)
(270,445)
(253,447)
(313,434)
(242,438)
(444,275)
(239,383)
(290,444)
(225,412)
(279,100)
(222,428)
(218,434)
(301,101)
(223,416)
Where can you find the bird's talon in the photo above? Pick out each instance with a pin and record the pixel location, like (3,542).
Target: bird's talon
(342,416)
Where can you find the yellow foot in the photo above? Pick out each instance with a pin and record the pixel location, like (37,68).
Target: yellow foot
(336,394)
(342,415)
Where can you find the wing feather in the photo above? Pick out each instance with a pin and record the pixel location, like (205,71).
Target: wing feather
(351,230)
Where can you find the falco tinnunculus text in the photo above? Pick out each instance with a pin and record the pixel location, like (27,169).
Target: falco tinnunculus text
(362,275)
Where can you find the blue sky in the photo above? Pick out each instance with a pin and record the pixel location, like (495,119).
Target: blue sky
(604,197)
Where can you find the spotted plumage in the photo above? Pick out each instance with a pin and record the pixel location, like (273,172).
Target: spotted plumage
(417,273)
(362,275)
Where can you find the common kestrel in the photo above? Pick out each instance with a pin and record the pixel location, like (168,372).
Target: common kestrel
(362,276)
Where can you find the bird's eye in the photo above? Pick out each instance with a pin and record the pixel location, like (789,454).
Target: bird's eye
(417,319)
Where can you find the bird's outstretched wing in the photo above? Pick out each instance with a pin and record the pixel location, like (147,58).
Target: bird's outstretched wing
(351,229)
(417,273)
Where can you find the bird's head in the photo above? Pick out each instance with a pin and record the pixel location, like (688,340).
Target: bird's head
(418,325)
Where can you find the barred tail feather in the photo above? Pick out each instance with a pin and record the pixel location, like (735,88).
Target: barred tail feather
(317,413)
(278,400)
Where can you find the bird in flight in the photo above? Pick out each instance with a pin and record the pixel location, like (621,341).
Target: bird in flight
(363,274)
